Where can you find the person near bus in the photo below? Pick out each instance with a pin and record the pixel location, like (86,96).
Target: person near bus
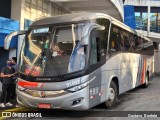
(113,46)
(15,66)
(7,75)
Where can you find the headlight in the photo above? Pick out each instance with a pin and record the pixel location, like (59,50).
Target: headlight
(21,88)
(78,87)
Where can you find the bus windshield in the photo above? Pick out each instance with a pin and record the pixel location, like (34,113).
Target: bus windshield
(53,51)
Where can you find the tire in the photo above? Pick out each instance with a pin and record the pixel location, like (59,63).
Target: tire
(145,85)
(112,98)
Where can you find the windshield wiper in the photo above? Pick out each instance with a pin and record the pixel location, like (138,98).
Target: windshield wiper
(58,74)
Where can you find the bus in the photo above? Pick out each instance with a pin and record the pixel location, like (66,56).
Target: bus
(80,60)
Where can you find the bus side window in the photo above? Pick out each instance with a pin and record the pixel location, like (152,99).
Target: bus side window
(115,40)
(95,47)
(139,44)
(103,36)
(136,44)
(132,42)
(126,41)
(148,47)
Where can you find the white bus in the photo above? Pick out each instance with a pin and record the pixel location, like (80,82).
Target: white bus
(80,60)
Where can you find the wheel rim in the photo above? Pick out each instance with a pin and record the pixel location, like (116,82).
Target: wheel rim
(111,94)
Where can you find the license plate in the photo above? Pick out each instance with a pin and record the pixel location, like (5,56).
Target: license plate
(44,105)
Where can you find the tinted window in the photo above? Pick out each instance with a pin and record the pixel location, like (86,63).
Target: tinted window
(148,48)
(95,47)
(104,33)
(99,40)
(139,45)
(131,42)
(115,40)
(125,40)
(98,46)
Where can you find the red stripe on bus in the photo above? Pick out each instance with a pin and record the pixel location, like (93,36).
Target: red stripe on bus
(29,84)
(41,85)
(143,71)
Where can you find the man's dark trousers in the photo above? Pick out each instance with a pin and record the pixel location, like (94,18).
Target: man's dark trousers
(6,89)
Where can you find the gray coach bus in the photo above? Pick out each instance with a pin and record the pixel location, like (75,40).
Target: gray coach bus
(80,60)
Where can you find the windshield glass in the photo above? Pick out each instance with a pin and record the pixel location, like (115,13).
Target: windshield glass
(53,51)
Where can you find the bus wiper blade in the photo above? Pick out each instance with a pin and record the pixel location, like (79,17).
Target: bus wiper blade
(58,74)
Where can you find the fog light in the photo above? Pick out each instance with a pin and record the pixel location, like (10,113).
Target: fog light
(77,101)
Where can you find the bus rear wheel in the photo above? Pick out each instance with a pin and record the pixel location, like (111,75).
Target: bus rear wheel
(112,95)
(145,85)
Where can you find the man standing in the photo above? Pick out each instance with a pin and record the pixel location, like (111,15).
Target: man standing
(7,75)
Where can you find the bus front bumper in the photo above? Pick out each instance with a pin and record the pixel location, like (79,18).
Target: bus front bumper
(71,101)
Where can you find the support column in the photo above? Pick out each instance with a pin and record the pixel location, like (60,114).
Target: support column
(148,25)
(17,13)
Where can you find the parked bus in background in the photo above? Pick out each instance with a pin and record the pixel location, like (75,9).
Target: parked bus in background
(80,60)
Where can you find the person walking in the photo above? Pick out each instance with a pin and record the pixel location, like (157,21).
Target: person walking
(7,83)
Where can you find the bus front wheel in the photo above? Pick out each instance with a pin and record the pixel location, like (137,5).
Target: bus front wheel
(112,95)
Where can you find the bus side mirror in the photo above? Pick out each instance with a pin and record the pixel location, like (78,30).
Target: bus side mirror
(9,37)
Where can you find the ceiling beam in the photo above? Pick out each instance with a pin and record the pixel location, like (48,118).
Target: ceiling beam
(89,8)
(87,3)
(101,6)
(68,0)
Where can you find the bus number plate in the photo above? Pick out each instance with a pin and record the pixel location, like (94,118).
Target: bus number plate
(44,105)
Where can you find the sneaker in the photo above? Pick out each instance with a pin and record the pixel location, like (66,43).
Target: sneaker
(2,105)
(9,104)
(17,106)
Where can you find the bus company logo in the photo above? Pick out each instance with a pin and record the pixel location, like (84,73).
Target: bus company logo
(6,114)
(42,94)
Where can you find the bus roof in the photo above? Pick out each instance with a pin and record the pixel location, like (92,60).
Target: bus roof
(83,16)
(66,18)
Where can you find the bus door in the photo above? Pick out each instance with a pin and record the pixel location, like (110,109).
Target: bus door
(96,60)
